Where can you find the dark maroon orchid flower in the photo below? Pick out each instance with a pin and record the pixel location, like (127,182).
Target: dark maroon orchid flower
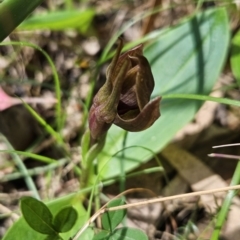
(124,99)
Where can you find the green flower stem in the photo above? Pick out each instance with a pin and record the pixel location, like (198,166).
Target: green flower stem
(13,12)
(122,182)
(89,154)
(222,215)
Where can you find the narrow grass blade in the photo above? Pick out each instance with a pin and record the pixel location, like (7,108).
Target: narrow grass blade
(226,101)
(18,161)
(222,215)
(59,118)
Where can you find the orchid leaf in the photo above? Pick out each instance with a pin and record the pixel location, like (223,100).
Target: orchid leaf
(188,59)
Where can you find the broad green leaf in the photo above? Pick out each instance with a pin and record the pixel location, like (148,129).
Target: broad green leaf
(60,20)
(235,57)
(122,233)
(13,12)
(51,237)
(110,220)
(37,215)
(103,235)
(65,219)
(21,230)
(87,234)
(128,234)
(188,59)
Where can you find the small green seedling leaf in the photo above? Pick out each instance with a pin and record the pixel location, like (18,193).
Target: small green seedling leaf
(128,234)
(37,215)
(21,229)
(103,235)
(65,219)
(110,220)
(121,233)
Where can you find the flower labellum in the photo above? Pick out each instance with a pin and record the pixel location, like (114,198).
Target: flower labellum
(124,99)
